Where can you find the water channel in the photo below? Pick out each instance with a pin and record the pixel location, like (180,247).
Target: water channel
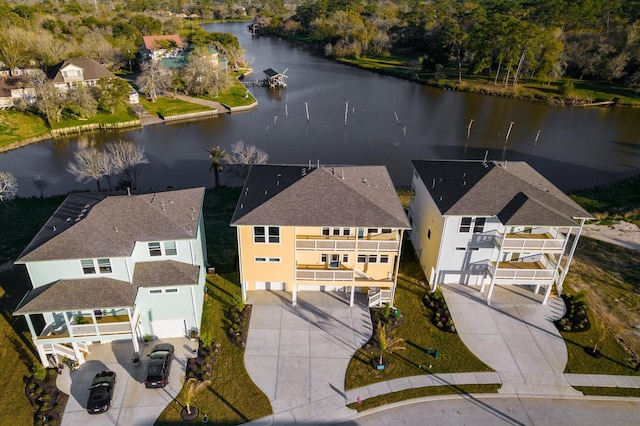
(388,121)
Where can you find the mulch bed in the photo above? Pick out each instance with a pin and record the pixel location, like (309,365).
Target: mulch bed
(46,399)
(239,329)
(390,323)
(200,367)
(439,312)
(576,318)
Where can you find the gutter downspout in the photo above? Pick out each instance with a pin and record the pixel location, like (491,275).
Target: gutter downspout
(395,273)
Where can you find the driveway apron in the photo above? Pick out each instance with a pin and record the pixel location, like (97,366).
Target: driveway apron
(515,336)
(298,355)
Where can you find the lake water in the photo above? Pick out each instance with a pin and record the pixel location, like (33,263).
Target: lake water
(389,121)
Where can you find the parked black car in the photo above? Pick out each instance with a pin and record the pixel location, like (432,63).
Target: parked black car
(159,366)
(101,392)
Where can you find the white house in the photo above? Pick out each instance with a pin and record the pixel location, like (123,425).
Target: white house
(488,223)
(119,267)
(79,71)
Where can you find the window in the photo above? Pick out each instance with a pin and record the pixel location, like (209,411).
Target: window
(170,248)
(87,266)
(155,291)
(260,259)
(362,258)
(258,234)
(325,231)
(335,261)
(478,226)
(274,260)
(372,258)
(323,258)
(371,231)
(266,259)
(461,248)
(345,258)
(346,232)
(465,224)
(274,234)
(336,232)
(171,290)
(384,258)
(154,249)
(474,248)
(104,266)
(386,231)
(360,233)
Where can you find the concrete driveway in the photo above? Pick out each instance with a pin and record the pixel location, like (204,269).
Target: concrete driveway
(515,336)
(298,355)
(133,404)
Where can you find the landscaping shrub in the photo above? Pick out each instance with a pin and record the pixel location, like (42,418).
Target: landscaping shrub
(576,317)
(439,312)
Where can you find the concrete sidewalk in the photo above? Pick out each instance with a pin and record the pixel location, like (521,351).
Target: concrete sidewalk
(298,355)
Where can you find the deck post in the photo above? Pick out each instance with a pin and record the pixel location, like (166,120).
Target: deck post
(351,297)
(294,295)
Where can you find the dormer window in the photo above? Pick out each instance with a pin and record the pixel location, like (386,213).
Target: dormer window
(95,266)
(167,248)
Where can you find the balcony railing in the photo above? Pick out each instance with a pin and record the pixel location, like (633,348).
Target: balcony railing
(323,275)
(552,240)
(538,272)
(100,329)
(346,245)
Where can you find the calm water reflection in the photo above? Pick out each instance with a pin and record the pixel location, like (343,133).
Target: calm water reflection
(576,148)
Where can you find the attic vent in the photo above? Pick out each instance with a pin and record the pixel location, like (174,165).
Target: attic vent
(241,205)
(115,229)
(464,183)
(279,174)
(464,174)
(433,184)
(265,192)
(441,198)
(53,228)
(364,180)
(68,219)
(277,183)
(246,190)
(172,202)
(304,171)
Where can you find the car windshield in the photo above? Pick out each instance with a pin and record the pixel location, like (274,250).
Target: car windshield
(159,355)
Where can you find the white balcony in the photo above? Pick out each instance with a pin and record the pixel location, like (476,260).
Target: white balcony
(550,241)
(307,274)
(320,244)
(535,273)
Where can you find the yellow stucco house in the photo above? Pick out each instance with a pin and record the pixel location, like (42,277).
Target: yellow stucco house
(320,229)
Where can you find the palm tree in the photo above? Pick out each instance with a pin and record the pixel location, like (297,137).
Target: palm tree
(218,156)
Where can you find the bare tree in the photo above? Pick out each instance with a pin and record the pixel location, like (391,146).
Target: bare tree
(242,153)
(48,100)
(14,47)
(88,164)
(40,184)
(81,102)
(153,78)
(202,76)
(8,186)
(127,158)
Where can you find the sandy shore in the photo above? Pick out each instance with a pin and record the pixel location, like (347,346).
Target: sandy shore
(621,233)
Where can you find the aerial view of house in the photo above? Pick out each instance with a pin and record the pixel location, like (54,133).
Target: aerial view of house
(115,267)
(489,223)
(320,229)
(75,71)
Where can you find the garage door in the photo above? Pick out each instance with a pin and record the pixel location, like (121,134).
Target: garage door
(168,328)
(267,285)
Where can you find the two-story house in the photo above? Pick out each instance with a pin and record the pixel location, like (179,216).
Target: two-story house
(79,71)
(107,268)
(324,228)
(155,47)
(16,90)
(488,223)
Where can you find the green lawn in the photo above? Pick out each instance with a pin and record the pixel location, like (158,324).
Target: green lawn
(167,106)
(611,203)
(236,96)
(17,126)
(20,220)
(417,334)
(122,114)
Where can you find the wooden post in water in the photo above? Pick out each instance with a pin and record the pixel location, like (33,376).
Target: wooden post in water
(397,119)
(286,110)
(346,112)
(537,136)
(306,107)
(508,133)
(469,128)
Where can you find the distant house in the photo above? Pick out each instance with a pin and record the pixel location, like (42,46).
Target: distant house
(487,223)
(161,46)
(79,71)
(107,268)
(14,90)
(320,229)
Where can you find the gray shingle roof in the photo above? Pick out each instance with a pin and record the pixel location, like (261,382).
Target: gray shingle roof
(69,295)
(514,192)
(326,196)
(89,225)
(91,69)
(165,273)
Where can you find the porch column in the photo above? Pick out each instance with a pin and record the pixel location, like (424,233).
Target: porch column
(546,294)
(134,335)
(32,330)
(537,289)
(294,296)
(565,271)
(490,292)
(67,323)
(353,290)
(95,322)
(78,353)
(42,355)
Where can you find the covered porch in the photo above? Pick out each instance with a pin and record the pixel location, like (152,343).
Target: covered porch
(67,316)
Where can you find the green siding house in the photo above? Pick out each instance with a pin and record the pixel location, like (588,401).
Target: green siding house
(115,267)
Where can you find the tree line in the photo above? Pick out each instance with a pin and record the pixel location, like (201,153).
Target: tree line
(505,40)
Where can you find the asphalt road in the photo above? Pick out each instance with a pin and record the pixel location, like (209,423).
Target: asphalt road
(497,410)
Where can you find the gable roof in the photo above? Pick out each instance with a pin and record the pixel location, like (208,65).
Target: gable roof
(514,192)
(151,42)
(165,273)
(69,295)
(17,82)
(90,225)
(326,196)
(91,69)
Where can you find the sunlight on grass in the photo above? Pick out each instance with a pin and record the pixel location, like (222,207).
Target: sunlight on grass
(167,106)
(17,126)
